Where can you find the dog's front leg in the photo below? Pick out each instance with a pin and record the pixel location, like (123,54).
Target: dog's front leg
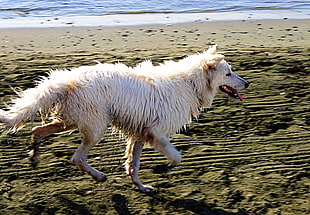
(162,144)
(133,165)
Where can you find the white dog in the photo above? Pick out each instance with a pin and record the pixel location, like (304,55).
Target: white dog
(146,103)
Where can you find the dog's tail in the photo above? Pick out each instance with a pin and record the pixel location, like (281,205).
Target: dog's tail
(43,98)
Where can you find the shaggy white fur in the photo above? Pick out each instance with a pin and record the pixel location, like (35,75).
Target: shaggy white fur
(146,103)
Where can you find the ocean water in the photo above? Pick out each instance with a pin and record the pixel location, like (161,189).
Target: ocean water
(47,13)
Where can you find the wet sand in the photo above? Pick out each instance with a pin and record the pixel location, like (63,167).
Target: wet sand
(248,157)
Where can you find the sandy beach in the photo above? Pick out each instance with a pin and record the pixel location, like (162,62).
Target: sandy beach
(159,38)
(239,158)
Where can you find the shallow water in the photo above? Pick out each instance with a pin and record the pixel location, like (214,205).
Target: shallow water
(52,8)
(51,13)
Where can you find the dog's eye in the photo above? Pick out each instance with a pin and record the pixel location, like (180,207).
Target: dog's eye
(228,74)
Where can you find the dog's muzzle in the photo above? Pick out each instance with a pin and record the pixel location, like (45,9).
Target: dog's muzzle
(230,91)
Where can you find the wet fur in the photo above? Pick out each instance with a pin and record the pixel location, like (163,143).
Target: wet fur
(146,103)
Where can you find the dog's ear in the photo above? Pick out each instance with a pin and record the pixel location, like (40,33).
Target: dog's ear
(212,57)
(212,61)
(212,50)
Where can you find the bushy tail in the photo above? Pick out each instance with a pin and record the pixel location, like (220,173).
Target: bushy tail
(43,98)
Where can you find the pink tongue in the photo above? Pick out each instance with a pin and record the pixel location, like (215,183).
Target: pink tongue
(238,94)
(240,97)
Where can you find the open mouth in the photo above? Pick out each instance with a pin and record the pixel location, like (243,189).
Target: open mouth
(231,92)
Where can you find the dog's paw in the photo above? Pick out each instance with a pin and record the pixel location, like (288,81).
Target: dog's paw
(34,158)
(147,189)
(172,164)
(99,176)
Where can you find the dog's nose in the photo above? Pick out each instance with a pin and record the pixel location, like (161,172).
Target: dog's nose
(246,85)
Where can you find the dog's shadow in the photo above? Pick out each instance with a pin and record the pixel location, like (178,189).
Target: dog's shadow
(197,207)
(120,204)
(162,168)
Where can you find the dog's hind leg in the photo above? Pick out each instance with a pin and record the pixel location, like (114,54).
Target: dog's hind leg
(133,153)
(40,132)
(90,137)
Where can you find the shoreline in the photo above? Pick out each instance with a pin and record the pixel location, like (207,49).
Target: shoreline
(195,36)
(115,20)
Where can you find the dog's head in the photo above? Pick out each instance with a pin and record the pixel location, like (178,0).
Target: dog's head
(220,76)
